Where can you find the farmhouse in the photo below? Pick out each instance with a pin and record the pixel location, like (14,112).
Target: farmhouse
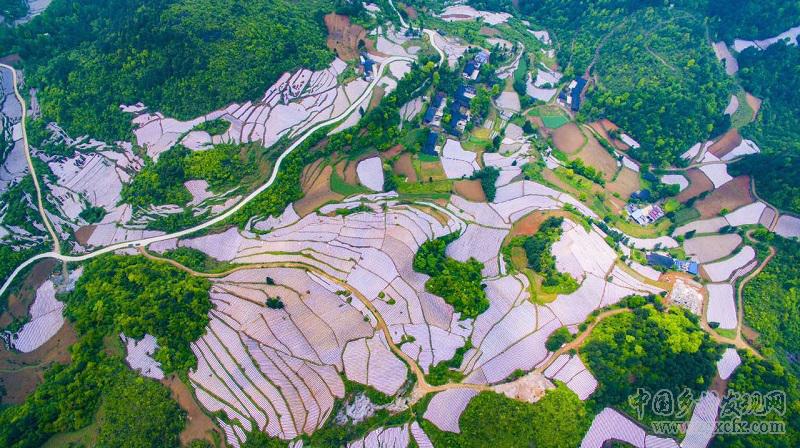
(430,144)
(577,90)
(434,112)
(471,70)
(645,215)
(666,262)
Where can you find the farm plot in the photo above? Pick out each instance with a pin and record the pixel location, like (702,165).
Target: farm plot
(698,183)
(457,162)
(370,173)
(726,143)
(722,270)
(713,247)
(470,190)
(403,166)
(343,37)
(460,13)
(788,226)
(568,137)
(570,370)
(732,195)
(596,156)
(626,183)
(612,426)
(721,306)
(46,318)
(676,179)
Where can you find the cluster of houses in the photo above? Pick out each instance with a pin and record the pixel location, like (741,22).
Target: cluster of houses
(570,96)
(667,262)
(367,64)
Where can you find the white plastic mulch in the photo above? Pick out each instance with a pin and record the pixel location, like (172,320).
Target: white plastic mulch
(509,102)
(722,270)
(748,214)
(701,427)
(46,319)
(461,13)
(788,226)
(140,356)
(543,36)
(744,148)
(791,34)
(392,437)
(733,105)
(446,407)
(456,161)
(370,173)
(716,172)
(728,363)
(676,179)
(721,306)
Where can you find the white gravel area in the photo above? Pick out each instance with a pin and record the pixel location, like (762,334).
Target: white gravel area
(370,173)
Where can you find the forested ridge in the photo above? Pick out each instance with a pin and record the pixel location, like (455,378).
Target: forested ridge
(116,294)
(772,75)
(181,57)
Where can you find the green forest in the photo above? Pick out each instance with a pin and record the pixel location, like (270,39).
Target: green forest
(457,282)
(559,420)
(181,57)
(649,349)
(116,294)
(772,75)
(773,295)
(13,9)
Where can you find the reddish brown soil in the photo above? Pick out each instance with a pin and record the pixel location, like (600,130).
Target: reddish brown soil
(491,32)
(568,138)
(317,192)
(698,183)
(626,183)
(343,37)
(377,96)
(350,174)
(83,234)
(603,127)
(754,103)
(412,13)
(726,143)
(20,300)
(403,167)
(593,154)
(470,190)
(391,152)
(731,196)
(529,224)
(20,373)
(198,424)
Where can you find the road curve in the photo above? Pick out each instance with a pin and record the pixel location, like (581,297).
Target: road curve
(217,219)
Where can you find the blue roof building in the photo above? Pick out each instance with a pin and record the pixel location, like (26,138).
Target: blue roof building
(576,94)
(430,144)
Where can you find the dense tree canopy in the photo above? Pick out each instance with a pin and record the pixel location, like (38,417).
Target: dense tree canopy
(182,57)
(652,350)
(135,296)
(559,420)
(772,75)
(457,282)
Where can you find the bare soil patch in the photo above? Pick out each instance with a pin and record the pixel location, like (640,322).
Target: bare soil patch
(198,424)
(491,32)
(603,127)
(470,190)
(343,37)
(731,196)
(83,234)
(529,224)
(412,13)
(21,373)
(403,167)
(726,143)
(568,138)
(593,154)
(377,96)
(754,103)
(391,152)
(626,183)
(698,184)
(20,300)
(317,193)
(350,174)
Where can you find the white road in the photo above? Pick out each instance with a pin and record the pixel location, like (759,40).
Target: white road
(147,241)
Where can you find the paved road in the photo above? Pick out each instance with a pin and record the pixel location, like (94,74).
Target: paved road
(31,168)
(147,241)
(217,219)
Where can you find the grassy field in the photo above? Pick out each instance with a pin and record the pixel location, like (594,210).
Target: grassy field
(424,188)
(338,185)
(552,116)
(656,230)
(744,114)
